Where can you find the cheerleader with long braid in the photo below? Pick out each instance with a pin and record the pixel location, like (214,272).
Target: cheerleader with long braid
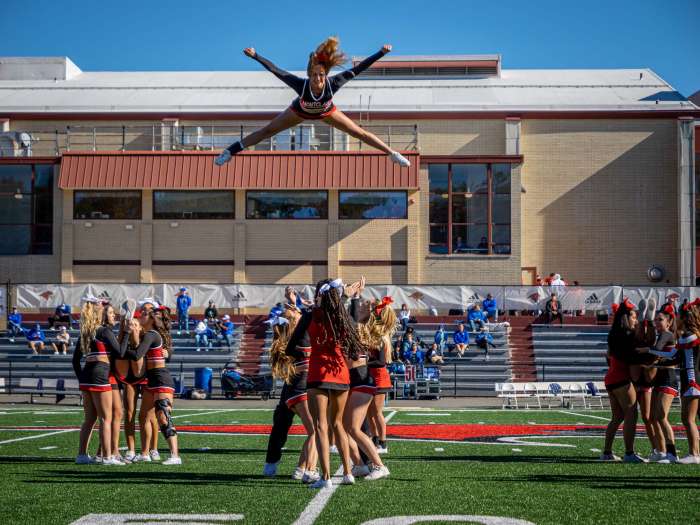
(315,99)
(289,360)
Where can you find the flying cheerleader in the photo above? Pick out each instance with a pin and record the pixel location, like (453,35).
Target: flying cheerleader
(315,99)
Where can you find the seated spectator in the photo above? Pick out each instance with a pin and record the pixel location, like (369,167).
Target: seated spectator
(484,340)
(14,324)
(552,310)
(276,310)
(60,315)
(35,339)
(434,355)
(483,245)
(211,314)
(461,340)
(476,318)
(396,352)
(404,317)
(490,308)
(62,342)
(416,356)
(202,333)
(441,339)
(406,347)
(226,328)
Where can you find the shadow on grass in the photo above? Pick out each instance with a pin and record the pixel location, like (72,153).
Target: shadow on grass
(596,481)
(9,460)
(510,458)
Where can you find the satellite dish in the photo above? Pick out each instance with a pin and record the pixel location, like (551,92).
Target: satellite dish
(656,273)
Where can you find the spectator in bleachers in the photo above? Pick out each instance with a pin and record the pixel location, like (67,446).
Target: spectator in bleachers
(62,342)
(35,339)
(552,310)
(226,326)
(557,280)
(276,311)
(202,333)
(60,315)
(14,324)
(404,317)
(416,356)
(484,340)
(184,302)
(396,352)
(461,340)
(434,355)
(490,308)
(441,339)
(476,318)
(211,314)
(406,347)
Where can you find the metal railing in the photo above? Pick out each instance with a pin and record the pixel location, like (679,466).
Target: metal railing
(44,141)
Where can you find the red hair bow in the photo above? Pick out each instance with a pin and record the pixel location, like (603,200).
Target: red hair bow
(629,304)
(322,57)
(385,301)
(669,310)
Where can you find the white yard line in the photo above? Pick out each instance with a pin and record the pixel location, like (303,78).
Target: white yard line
(205,413)
(584,415)
(315,507)
(39,436)
(391,415)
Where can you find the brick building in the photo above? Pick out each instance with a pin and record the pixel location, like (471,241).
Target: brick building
(109,177)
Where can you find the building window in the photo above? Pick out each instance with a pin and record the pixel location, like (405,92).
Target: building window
(26,209)
(193,205)
(373,205)
(287,205)
(107,205)
(469,208)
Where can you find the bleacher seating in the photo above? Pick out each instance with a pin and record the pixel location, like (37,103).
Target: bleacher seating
(570,352)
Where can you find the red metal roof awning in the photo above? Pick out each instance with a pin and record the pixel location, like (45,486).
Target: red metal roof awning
(256,170)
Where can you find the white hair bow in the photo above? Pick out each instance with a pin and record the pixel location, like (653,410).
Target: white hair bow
(336,283)
(90,299)
(148,300)
(277,320)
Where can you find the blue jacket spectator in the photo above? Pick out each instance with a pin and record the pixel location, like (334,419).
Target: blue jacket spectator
(277,310)
(441,338)
(184,302)
(416,356)
(490,308)
(227,327)
(476,318)
(35,339)
(14,324)
(60,315)
(484,340)
(461,340)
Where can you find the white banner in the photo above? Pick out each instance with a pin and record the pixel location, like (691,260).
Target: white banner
(572,298)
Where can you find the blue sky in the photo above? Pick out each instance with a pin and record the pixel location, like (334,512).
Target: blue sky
(209,35)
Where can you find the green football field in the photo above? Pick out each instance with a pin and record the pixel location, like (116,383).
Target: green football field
(524,466)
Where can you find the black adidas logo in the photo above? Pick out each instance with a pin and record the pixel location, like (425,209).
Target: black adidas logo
(475,297)
(593,299)
(104,295)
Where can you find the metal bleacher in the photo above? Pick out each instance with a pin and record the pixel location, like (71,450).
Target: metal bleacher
(570,353)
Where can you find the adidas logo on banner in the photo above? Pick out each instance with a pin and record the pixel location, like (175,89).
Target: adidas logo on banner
(593,299)
(475,297)
(104,295)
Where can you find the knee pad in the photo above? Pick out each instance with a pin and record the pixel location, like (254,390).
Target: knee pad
(164,407)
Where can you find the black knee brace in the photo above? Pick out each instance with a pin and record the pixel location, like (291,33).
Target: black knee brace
(164,407)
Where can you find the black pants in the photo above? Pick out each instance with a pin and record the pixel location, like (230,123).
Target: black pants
(59,319)
(551,316)
(281,423)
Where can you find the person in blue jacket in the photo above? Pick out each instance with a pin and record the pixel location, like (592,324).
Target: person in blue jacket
(476,318)
(36,339)
(484,339)
(14,324)
(184,302)
(441,339)
(490,308)
(461,340)
(227,327)
(60,315)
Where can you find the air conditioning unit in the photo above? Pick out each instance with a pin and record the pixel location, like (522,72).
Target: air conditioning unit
(15,144)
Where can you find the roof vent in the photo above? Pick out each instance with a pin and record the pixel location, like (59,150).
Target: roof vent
(434,66)
(38,68)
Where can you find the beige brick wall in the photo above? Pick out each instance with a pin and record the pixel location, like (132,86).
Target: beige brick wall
(375,274)
(106,240)
(193,240)
(286,240)
(285,274)
(193,274)
(106,274)
(601,198)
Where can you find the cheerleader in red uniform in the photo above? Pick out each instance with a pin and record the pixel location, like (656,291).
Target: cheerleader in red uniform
(688,344)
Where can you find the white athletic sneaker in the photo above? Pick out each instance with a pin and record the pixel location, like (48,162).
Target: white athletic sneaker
(142,458)
(173,460)
(377,473)
(400,159)
(298,473)
(155,455)
(609,457)
(111,460)
(310,476)
(348,479)
(689,460)
(83,459)
(334,449)
(223,158)
(129,456)
(382,449)
(360,471)
(270,470)
(633,458)
(322,484)
(97,459)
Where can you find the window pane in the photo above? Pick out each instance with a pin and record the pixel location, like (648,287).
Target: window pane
(501,178)
(501,239)
(501,208)
(469,239)
(15,177)
(43,174)
(287,205)
(470,208)
(15,240)
(469,178)
(43,239)
(437,174)
(193,205)
(107,205)
(438,239)
(16,211)
(373,205)
(438,208)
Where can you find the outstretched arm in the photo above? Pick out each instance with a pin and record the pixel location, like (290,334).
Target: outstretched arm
(339,80)
(293,81)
